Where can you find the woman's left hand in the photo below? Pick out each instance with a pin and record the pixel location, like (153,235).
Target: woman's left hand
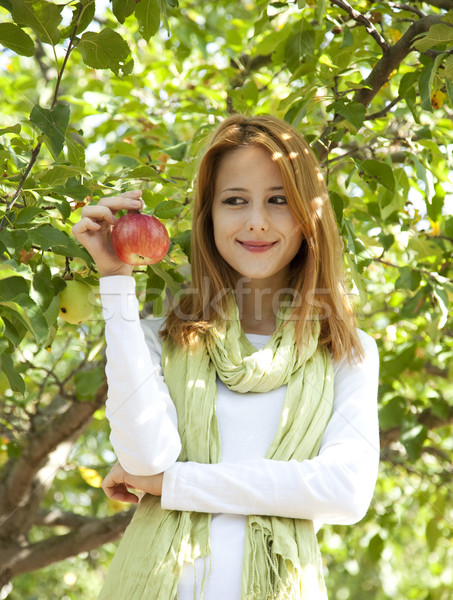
(117,483)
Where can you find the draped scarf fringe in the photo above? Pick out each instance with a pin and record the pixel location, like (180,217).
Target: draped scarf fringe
(281,555)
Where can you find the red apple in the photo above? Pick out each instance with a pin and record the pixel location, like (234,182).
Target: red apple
(139,239)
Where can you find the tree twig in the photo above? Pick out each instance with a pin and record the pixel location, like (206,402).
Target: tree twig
(38,146)
(362,20)
(408,8)
(88,536)
(384,111)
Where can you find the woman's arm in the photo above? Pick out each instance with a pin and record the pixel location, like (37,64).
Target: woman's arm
(334,487)
(141,414)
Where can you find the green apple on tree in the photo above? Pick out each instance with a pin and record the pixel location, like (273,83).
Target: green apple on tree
(76,305)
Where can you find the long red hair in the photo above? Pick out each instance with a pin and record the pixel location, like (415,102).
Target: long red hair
(316,272)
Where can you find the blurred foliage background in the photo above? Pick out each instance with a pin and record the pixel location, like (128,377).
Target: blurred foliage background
(100,98)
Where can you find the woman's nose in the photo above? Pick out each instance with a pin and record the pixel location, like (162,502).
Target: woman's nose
(257,220)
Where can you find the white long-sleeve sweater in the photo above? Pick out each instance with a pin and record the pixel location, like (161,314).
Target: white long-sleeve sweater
(335,487)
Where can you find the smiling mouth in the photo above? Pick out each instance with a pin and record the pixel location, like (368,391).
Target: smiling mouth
(257,246)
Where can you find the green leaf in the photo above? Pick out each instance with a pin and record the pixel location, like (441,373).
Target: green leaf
(154,286)
(441,297)
(15,380)
(12,129)
(299,44)
(395,364)
(245,97)
(448,227)
(123,8)
(387,240)
(12,287)
(43,291)
(375,547)
(389,203)
(23,308)
(449,86)
(437,34)
(407,82)
(426,81)
(53,123)
(83,12)
(144,172)
(296,113)
(168,209)
(380,171)
(105,50)
(393,413)
(353,112)
(26,215)
(338,206)
(408,279)
(184,240)
(148,17)
(448,67)
(413,437)
(73,189)
(59,174)
(150,199)
(173,285)
(12,37)
(43,17)
(433,533)
(75,149)
(49,238)
(320,8)
(87,383)
(434,207)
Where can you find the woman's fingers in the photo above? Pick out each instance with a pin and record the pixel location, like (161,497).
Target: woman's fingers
(106,208)
(103,213)
(128,200)
(120,492)
(115,486)
(95,226)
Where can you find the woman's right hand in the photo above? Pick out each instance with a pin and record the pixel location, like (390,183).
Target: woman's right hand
(94,231)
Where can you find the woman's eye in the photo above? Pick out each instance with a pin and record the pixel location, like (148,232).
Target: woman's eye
(234,201)
(278,200)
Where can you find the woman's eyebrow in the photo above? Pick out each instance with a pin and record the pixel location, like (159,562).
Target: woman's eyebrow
(276,188)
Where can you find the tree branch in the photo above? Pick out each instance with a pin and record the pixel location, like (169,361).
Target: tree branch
(362,20)
(445,4)
(56,517)
(88,536)
(20,472)
(378,76)
(392,58)
(429,274)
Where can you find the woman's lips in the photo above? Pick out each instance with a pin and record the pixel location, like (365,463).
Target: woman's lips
(252,246)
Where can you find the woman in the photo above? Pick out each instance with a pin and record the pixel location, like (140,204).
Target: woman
(253,419)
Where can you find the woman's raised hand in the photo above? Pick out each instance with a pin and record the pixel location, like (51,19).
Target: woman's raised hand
(94,231)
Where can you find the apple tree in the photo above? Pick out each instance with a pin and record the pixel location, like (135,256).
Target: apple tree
(100,98)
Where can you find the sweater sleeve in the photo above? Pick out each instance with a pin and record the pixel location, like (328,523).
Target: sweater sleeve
(141,414)
(334,487)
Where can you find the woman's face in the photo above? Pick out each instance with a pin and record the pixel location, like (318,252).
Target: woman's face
(254,229)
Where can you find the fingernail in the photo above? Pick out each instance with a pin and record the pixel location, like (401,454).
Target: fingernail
(137,203)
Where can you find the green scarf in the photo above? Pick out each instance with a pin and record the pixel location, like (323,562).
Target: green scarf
(281,556)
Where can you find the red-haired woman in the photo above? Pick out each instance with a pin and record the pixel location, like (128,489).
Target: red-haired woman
(248,415)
